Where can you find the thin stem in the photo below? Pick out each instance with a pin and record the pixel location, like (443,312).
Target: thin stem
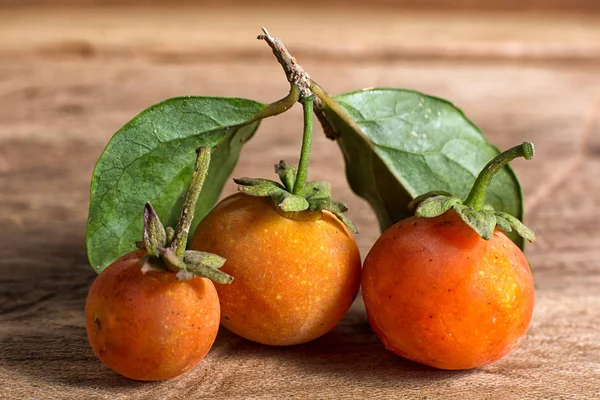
(333,106)
(307,106)
(322,95)
(476,197)
(280,106)
(191,198)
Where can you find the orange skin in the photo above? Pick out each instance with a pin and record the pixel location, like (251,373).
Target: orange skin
(150,326)
(293,279)
(438,294)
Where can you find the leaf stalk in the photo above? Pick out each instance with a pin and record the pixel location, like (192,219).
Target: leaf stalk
(280,106)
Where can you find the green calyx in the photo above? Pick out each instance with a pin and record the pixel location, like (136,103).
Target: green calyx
(481,217)
(315,196)
(166,247)
(294,194)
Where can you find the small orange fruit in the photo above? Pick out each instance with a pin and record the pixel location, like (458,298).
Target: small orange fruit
(296,274)
(446,287)
(150,326)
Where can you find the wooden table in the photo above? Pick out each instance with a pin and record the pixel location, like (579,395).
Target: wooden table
(69,78)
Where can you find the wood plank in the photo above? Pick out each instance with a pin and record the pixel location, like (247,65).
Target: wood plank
(558,359)
(198,34)
(60,108)
(547,5)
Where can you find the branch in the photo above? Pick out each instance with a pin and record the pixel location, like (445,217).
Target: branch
(294,72)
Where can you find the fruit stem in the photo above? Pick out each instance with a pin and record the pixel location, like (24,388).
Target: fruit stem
(189,206)
(476,197)
(301,175)
(280,106)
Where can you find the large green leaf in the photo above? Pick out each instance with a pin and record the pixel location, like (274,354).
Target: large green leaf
(399,144)
(152,158)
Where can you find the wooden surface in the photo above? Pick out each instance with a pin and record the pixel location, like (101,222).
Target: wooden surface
(70,78)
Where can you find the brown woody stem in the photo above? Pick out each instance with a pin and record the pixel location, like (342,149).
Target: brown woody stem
(293,71)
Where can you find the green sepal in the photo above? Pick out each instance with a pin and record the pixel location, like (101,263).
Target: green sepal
(290,202)
(437,205)
(287,173)
(484,221)
(258,187)
(154,235)
(170,235)
(203,258)
(336,208)
(317,190)
(166,248)
(206,265)
(210,273)
(517,226)
(412,206)
(172,262)
(195,263)
(316,196)
(150,263)
(503,224)
(185,275)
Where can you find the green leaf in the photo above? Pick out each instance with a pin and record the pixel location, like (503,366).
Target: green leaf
(399,144)
(152,158)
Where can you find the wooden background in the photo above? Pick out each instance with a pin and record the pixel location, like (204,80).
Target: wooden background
(71,76)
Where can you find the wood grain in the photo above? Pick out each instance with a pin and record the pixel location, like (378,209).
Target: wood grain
(352,34)
(552,5)
(58,110)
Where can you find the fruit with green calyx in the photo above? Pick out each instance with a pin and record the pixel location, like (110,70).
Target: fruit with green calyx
(447,287)
(289,245)
(154,313)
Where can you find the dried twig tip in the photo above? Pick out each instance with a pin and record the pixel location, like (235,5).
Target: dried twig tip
(266,36)
(294,72)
